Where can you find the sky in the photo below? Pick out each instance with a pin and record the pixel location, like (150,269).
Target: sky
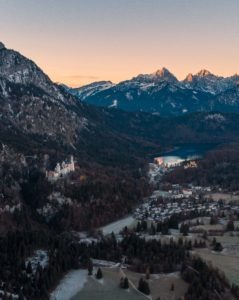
(80,41)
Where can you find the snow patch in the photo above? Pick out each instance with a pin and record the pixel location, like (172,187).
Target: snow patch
(70,285)
(117,226)
(39,257)
(215,117)
(114,104)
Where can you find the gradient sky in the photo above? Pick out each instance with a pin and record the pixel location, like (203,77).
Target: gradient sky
(80,41)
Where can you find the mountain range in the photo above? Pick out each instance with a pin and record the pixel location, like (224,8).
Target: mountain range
(36,111)
(162,93)
(41,123)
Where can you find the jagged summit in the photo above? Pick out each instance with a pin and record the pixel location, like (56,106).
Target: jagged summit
(2,46)
(165,74)
(162,72)
(200,75)
(18,69)
(189,77)
(161,92)
(204,73)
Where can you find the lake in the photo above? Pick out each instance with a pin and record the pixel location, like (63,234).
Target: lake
(184,153)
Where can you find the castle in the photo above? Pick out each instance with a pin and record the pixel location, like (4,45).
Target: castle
(61,169)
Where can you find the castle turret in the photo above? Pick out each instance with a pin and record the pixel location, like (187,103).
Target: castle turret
(72,163)
(58,168)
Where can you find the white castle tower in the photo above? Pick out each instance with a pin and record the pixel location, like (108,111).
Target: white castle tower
(72,164)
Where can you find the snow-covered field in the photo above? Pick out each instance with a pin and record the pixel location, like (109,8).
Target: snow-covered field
(70,285)
(117,226)
(105,263)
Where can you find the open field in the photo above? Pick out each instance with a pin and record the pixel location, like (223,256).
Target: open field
(117,226)
(223,196)
(229,264)
(230,245)
(208,227)
(160,285)
(70,284)
(107,288)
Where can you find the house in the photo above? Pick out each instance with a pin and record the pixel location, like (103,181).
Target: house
(159,161)
(187,192)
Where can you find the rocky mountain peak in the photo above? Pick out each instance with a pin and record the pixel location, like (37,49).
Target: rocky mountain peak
(204,73)
(189,77)
(2,46)
(18,69)
(165,74)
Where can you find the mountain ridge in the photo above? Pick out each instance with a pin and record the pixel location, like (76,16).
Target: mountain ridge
(41,126)
(161,92)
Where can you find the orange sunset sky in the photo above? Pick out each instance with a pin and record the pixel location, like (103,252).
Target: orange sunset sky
(77,42)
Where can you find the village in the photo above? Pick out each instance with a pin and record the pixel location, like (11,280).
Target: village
(186,202)
(173,212)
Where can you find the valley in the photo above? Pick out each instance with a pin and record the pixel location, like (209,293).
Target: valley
(141,199)
(206,225)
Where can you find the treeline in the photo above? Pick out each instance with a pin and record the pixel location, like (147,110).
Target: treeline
(205,282)
(15,277)
(141,254)
(19,277)
(99,196)
(105,195)
(65,252)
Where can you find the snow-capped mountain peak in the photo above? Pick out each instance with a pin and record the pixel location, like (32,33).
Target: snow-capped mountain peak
(91,89)
(161,92)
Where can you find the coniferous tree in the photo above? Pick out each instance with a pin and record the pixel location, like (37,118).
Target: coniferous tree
(143,286)
(172,287)
(90,267)
(29,268)
(99,274)
(230,226)
(152,229)
(126,283)
(147,273)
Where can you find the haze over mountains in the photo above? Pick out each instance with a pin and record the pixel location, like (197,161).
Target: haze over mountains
(162,93)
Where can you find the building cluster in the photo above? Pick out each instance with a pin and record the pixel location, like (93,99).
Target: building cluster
(157,210)
(186,202)
(161,205)
(191,165)
(178,192)
(61,169)
(168,162)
